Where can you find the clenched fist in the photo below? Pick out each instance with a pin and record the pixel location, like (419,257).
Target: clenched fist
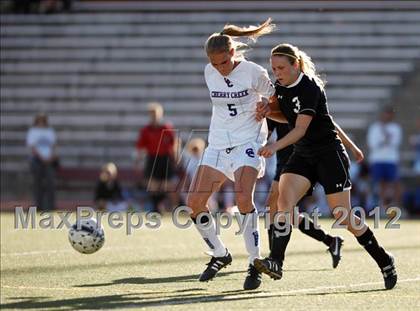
(267,151)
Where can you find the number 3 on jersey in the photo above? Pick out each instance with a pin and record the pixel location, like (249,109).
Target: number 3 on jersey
(232,109)
(296,101)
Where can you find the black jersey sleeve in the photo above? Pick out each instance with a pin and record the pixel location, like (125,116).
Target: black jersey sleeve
(271,124)
(308,99)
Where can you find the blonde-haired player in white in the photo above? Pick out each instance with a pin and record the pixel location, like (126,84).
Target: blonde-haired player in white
(235,135)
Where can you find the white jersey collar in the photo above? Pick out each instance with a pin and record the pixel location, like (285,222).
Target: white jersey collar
(230,73)
(296,82)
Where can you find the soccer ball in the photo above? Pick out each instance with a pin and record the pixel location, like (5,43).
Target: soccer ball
(89,238)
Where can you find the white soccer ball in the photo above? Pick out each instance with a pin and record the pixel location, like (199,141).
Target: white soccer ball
(88,238)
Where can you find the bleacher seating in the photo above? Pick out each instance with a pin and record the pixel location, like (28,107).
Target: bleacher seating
(95,69)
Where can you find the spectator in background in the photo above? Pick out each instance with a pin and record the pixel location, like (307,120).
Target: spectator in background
(25,6)
(41,139)
(415,142)
(108,193)
(155,151)
(40,6)
(195,149)
(55,6)
(361,192)
(412,195)
(384,140)
(191,160)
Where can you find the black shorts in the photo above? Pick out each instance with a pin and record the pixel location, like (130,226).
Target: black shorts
(159,167)
(279,170)
(330,169)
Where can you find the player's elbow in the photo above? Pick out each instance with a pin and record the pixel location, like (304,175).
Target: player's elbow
(276,116)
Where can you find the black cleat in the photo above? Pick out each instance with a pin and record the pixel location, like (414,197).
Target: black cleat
(269,266)
(214,266)
(253,279)
(335,250)
(390,274)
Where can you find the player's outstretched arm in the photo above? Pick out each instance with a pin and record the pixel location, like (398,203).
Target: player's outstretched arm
(348,143)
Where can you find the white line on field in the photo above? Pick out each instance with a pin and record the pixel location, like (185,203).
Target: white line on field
(73,289)
(267,295)
(35,253)
(60,251)
(284,293)
(314,289)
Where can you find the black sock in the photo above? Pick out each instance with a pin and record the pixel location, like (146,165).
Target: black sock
(327,240)
(317,234)
(270,234)
(160,196)
(369,242)
(156,198)
(280,239)
(203,219)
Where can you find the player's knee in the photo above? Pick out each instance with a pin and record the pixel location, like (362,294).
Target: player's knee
(339,214)
(195,200)
(271,201)
(342,218)
(285,203)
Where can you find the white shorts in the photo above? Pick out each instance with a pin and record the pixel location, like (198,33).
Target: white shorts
(229,160)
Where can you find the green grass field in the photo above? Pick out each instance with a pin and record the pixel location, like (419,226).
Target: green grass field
(158,269)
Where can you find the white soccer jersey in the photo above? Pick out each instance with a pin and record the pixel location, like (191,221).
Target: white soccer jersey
(234,101)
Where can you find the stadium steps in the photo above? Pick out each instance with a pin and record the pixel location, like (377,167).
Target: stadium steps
(94,70)
(46,54)
(96,30)
(237,6)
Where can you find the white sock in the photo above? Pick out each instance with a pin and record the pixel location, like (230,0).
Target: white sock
(208,232)
(251,235)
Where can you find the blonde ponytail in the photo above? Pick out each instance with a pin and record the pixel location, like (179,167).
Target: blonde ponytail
(305,62)
(252,32)
(307,66)
(224,42)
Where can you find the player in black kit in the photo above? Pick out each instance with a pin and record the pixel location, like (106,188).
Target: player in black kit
(318,156)
(305,225)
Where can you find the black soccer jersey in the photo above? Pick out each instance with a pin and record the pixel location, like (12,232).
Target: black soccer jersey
(281,130)
(305,97)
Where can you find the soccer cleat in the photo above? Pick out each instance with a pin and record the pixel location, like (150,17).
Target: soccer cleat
(214,266)
(269,266)
(390,274)
(253,278)
(335,250)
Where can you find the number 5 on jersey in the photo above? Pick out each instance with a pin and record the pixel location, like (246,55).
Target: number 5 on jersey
(232,109)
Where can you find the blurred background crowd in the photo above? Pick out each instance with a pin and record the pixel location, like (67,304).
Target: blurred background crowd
(104,102)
